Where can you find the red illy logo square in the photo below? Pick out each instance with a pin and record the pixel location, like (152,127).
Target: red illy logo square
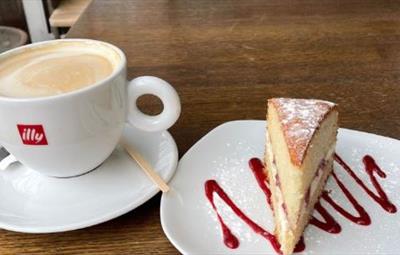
(32,134)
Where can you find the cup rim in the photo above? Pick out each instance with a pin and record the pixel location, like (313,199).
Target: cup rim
(72,93)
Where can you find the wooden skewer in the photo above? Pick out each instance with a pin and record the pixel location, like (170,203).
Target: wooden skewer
(150,172)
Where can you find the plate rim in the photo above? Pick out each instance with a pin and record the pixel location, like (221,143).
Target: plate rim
(167,233)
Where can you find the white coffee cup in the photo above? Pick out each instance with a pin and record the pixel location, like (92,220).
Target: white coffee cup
(72,133)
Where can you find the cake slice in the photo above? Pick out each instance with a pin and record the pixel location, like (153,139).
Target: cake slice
(300,146)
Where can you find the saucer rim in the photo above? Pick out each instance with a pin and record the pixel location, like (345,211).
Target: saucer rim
(104,217)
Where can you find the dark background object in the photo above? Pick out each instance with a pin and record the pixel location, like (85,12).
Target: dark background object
(12,14)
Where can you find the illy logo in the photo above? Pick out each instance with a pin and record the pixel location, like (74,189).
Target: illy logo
(32,134)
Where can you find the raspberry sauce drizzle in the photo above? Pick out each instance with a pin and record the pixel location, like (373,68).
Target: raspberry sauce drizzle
(370,168)
(257,167)
(230,240)
(329,225)
(362,219)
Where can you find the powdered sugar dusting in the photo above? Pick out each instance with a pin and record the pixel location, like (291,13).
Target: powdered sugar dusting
(300,118)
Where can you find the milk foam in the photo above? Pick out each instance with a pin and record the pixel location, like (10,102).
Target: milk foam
(55,69)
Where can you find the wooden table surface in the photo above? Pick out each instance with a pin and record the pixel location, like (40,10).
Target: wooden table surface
(225,58)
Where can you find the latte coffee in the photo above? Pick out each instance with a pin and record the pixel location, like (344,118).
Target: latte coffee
(55,69)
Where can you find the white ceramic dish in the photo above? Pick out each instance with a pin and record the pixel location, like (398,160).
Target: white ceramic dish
(192,226)
(34,203)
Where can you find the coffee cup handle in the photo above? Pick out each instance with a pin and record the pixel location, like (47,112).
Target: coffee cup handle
(154,86)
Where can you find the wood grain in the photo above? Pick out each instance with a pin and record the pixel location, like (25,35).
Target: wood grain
(225,58)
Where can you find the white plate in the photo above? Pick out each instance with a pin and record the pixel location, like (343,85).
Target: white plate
(192,226)
(34,203)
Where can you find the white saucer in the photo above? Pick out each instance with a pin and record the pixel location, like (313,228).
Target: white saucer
(34,203)
(193,228)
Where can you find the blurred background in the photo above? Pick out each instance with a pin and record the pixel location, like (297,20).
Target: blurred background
(24,21)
